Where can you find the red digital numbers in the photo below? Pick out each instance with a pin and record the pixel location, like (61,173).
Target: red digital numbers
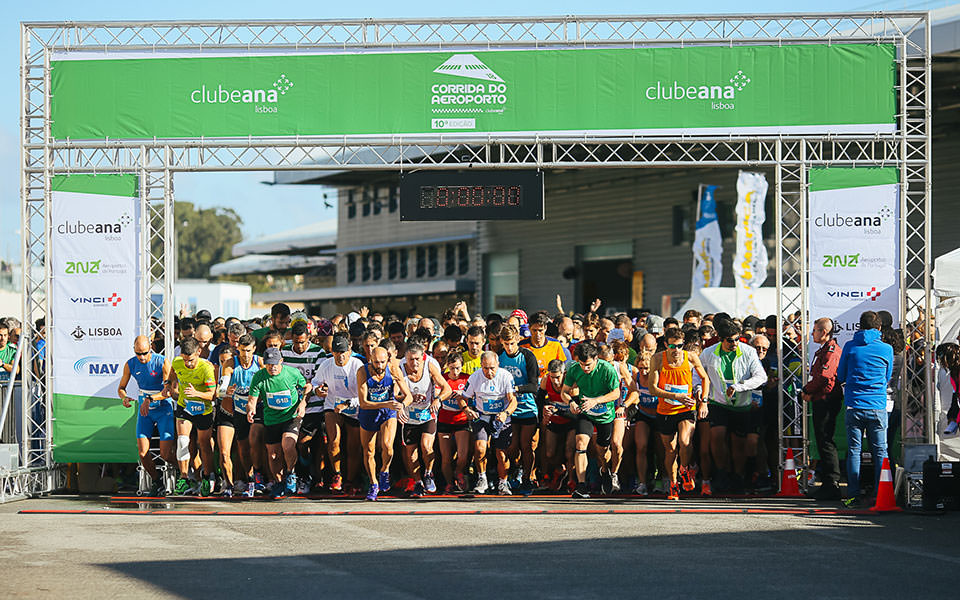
(478,196)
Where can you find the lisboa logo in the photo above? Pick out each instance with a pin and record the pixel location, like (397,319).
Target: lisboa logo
(721,94)
(264,99)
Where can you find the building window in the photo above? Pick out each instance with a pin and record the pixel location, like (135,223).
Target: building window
(421,262)
(365,266)
(351,268)
(377,266)
(463,258)
(433,260)
(394,193)
(450,259)
(392,264)
(404,263)
(366,207)
(351,204)
(376,201)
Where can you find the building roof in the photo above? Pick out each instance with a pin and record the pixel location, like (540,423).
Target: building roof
(315,237)
(269,263)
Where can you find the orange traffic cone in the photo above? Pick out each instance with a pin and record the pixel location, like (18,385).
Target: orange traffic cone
(789,488)
(886,502)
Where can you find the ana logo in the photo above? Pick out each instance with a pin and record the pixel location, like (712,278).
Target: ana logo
(90,267)
(112,300)
(675,90)
(841,260)
(264,99)
(466,98)
(96,366)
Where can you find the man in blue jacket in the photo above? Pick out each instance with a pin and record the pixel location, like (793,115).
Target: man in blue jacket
(866,366)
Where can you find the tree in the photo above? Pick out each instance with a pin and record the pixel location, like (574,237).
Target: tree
(205,237)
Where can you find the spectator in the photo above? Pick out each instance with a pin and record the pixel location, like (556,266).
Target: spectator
(826,399)
(866,366)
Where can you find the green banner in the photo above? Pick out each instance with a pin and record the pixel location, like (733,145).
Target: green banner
(109,184)
(839,178)
(91,429)
(838,88)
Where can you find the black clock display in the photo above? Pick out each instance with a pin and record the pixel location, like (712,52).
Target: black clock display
(471,196)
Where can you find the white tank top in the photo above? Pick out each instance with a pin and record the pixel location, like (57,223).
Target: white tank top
(422,392)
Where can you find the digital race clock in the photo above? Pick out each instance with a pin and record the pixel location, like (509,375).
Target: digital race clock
(471,196)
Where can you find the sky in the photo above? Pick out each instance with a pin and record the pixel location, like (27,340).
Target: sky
(297,205)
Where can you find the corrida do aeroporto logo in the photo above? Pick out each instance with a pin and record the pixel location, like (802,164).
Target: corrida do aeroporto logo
(485,93)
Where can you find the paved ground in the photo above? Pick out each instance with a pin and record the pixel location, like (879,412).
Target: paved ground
(715,550)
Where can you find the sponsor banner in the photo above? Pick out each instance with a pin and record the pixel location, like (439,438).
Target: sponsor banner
(853,242)
(93,251)
(750,260)
(810,88)
(707,242)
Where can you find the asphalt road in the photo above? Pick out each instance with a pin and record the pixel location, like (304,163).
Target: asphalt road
(730,554)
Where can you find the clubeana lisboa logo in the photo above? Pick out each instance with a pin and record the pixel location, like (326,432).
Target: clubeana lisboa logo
(109,231)
(265,99)
(870,223)
(719,92)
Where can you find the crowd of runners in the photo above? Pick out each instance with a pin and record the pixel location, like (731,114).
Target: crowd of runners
(581,404)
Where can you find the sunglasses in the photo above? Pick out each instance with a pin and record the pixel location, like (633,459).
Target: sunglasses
(142,353)
(730,339)
(674,346)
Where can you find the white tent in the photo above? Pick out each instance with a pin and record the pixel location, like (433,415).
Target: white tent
(946,286)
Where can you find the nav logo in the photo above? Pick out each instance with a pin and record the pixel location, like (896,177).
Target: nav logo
(467,65)
(96,366)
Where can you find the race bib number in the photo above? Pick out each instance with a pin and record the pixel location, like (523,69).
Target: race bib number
(492,405)
(240,402)
(647,400)
(676,389)
(560,407)
(420,415)
(451,403)
(599,410)
(151,404)
(279,400)
(193,407)
(756,397)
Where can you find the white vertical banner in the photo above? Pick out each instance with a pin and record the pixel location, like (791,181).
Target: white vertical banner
(750,260)
(707,243)
(93,302)
(853,241)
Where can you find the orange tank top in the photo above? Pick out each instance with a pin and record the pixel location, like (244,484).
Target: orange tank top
(677,380)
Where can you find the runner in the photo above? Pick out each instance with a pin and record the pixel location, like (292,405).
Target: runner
(335,387)
(304,356)
(245,366)
(671,380)
(419,416)
(282,390)
(543,348)
(521,363)
(191,378)
(735,371)
(453,427)
(492,398)
(379,385)
(150,370)
(644,420)
(560,432)
(629,396)
(471,356)
(599,388)
(279,323)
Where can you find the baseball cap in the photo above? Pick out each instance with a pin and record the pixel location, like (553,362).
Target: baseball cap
(655,324)
(299,316)
(614,335)
(203,314)
(272,356)
(520,314)
(357,329)
(340,344)
(325,327)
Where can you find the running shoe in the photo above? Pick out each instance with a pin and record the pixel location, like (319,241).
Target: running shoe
(259,486)
(526,488)
(291,483)
(641,489)
(460,484)
(206,485)
(482,485)
(384,481)
(581,491)
(194,489)
(606,483)
(159,490)
(240,487)
(182,487)
(705,489)
(614,483)
(278,490)
(448,489)
(951,428)
(503,488)
(674,491)
(249,491)
(658,486)
(303,486)
(336,485)
(417,491)
(227,492)
(373,492)
(429,485)
(686,477)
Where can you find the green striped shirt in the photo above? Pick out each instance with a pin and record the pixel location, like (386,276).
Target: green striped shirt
(306,362)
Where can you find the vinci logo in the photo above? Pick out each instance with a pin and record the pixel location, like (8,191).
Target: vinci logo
(96,366)
(112,300)
(872,294)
